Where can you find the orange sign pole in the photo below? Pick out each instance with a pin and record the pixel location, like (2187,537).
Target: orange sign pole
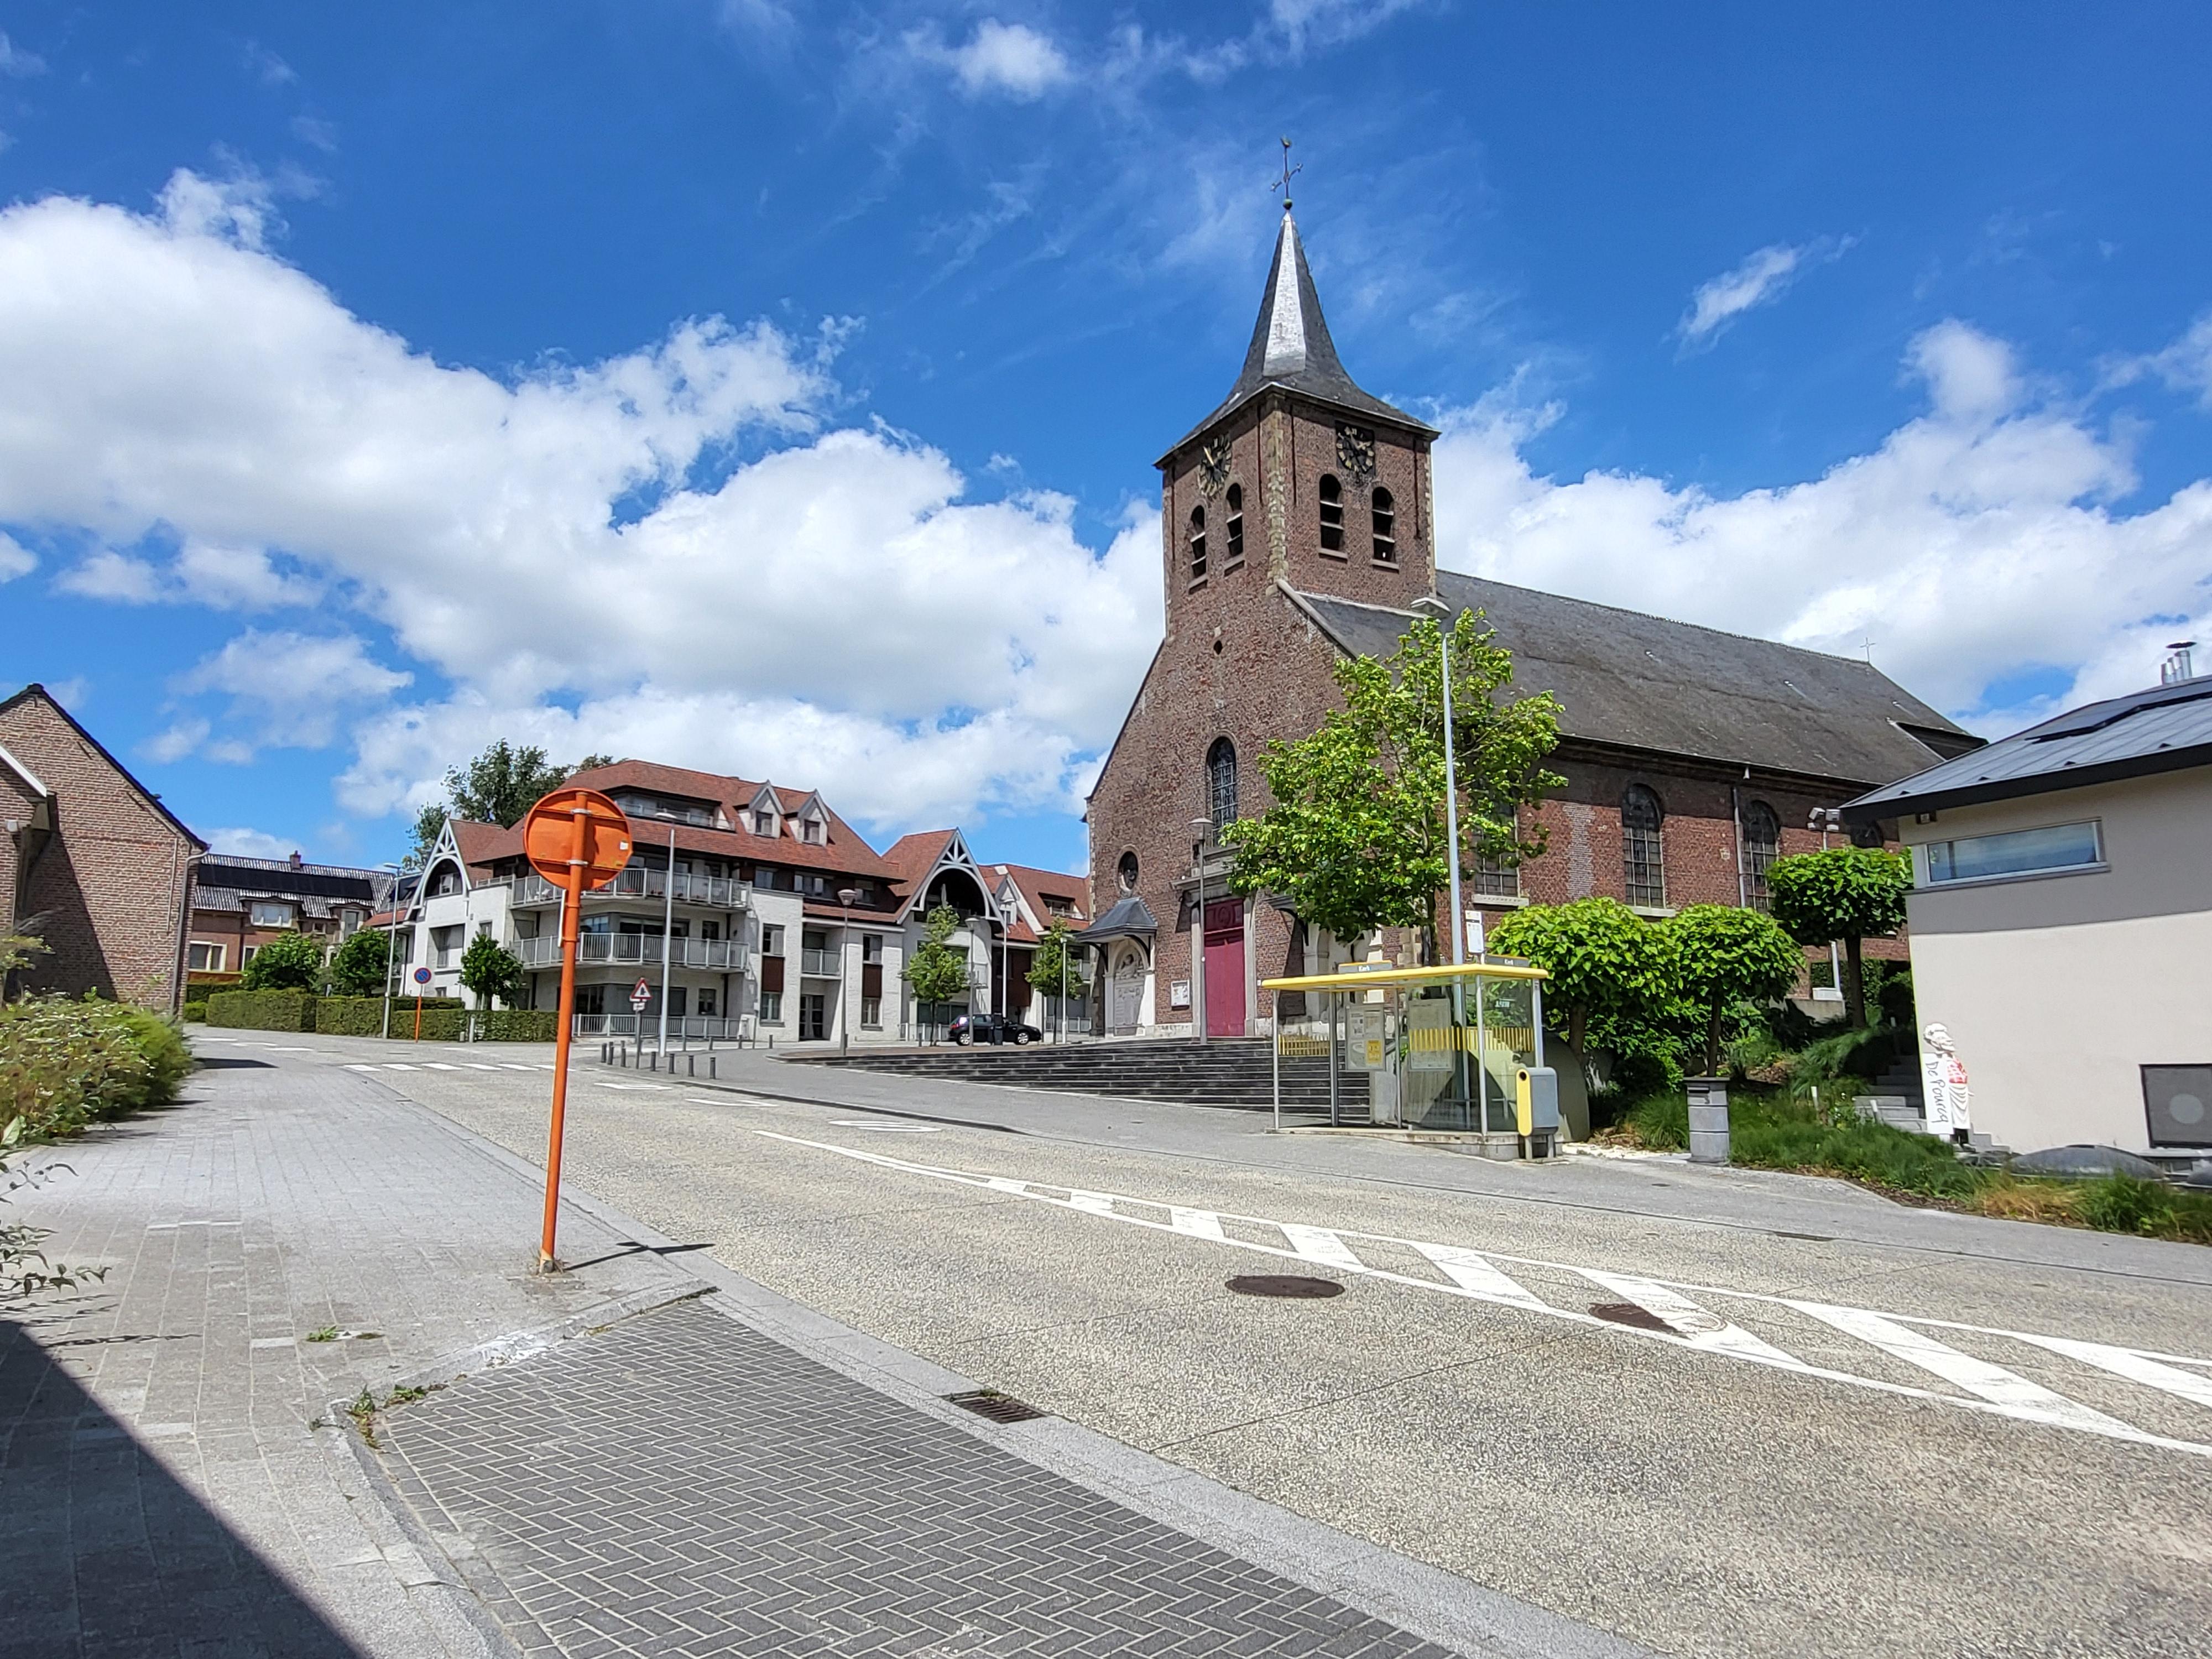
(572,905)
(581,839)
(418,1016)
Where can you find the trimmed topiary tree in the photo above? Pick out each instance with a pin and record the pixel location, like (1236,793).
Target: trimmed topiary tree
(1845,894)
(1717,954)
(290,962)
(1605,961)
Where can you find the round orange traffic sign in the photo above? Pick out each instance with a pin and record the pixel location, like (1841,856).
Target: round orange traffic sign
(578,824)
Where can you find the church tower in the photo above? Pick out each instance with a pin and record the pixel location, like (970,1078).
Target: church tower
(1299,477)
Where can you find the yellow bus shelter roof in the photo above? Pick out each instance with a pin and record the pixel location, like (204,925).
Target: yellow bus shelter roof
(1356,980)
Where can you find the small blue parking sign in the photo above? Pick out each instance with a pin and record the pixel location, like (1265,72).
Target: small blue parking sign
(421,975)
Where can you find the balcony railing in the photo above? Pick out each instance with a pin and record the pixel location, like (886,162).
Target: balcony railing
(717,892)
(635,950)
(821,964)
(691,1027)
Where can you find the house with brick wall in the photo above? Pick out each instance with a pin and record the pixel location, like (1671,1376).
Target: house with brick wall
(240,904)
(99,869)
(1297,528)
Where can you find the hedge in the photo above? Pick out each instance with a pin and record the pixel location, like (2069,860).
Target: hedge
(517,1025)
(263,1011)
(194,1013)
(444,1020)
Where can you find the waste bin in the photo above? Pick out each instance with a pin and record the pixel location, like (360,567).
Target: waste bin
(1709,1119)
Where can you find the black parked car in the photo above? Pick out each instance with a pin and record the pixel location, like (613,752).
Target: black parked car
(993,1028)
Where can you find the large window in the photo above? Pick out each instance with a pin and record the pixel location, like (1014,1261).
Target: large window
(1236,523)
(203,958)
(1762,845)
(1197,543)
(267,912)
(1384,512)
(1645,873)
(1494,878)
(2061,847)
(771,1007)
(1332,514)
(1221,782)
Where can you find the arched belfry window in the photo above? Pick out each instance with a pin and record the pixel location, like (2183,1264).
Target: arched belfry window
(1197,543)
(1641,816)
(1762,845)
(1125,872)
(1332,514)
(1384,512)
(1221,782)
(1236,523)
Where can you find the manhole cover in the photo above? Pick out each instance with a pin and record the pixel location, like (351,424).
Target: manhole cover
(1627,1312)
(1290,1286)
(998,1407)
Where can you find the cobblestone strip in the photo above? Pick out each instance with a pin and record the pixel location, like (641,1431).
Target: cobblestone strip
(682,1484)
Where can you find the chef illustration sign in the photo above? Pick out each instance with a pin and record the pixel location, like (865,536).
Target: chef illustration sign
(1943,1084)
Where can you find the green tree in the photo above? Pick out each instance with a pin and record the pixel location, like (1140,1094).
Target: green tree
(1846,894)
(359,967)
(1717,954)
(1356,838)
(1057,946)
(290,962)
(1606,961)
(497,787)
(937,970)
(489,969)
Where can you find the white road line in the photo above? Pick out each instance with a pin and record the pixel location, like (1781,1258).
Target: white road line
(361,1068)
(1197,1224)
(1091,1203)
(2135,1367)
(653,1088)
(509,1065)
(398,1065)
(1319,1244)
(1700,1327)
(1479,1277)
(1992,1383)
(289,1048)
(2001,1394)
(439,1066)
(478,1066)
(893,1128)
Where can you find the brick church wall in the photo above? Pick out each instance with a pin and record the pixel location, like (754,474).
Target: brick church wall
(110,885)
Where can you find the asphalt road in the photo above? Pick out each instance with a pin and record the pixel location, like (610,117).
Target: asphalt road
(1800,1418)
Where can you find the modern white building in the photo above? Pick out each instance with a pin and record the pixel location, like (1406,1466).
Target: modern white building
(781,923)
(2061,921)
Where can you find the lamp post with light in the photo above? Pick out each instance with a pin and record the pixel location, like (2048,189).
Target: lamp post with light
(844,898)
(1201,830)
(1824,819)
(1434,605)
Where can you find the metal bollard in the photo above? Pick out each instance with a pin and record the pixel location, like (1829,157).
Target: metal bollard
(691,1063)
(1709,1119)
(710,1068)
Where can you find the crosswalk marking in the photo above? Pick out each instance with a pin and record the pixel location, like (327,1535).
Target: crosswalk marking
(439,1065)
(1478,1276)
(1321,1245)
(1700,1327)
(509,1065)
(1990,1388)
(398,1065)
(1992,1383)
(478,1066)
(358,1067)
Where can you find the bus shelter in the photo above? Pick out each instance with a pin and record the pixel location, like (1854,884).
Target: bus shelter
(1447,1048)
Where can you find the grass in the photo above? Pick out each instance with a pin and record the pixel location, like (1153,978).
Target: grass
(323,1334)
(1776,1131)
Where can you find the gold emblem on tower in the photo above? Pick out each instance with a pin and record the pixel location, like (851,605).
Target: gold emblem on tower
(1355,452)
(1213,466)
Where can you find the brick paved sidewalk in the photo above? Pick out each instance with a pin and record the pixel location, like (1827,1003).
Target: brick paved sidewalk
(160,1490)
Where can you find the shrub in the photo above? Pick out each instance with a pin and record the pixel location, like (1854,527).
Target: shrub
(64,1064)
(290,962)
(517,1025)
(359,966)
(489,969)
(262,1011)
(364,1016)
(1720,956)
(1661,1121)
(194,1013)
(2126,1204)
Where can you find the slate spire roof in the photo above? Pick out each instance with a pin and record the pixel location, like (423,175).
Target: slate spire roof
(1290,346)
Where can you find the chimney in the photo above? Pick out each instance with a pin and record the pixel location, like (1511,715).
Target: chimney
(296,858)
(2180,665)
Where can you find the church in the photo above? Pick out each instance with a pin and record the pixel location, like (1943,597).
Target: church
(1297,527)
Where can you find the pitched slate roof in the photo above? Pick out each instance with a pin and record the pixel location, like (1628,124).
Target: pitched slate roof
(228,882)
(2163,730)
(843,850)
(1632,681)
(1131,917)
(1291,347)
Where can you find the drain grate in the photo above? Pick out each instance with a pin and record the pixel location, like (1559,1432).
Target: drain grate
(1289,1286)
(998,1407)
(1627,1312)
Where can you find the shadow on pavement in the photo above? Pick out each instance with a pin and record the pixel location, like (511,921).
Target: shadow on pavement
(103,1552)
(232,1063)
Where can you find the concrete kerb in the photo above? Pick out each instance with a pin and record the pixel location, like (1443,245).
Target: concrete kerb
(1440,1606)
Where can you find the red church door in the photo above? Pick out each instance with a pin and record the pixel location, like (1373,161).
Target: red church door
(1224,968)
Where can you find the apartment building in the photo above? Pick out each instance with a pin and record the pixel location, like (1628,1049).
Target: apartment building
(764,915)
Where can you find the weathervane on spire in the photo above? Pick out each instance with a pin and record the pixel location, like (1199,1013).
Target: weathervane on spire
(1283,184)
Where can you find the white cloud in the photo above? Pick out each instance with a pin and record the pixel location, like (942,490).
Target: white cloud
(73,694)
(1760,280)
(1009,58)
(15,61)
(1977,543)
(268,67)
(293,687)
(250,844)
(178,739)
(16,559)
(2187,365)
(814,613)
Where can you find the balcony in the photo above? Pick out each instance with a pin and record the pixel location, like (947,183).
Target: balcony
(692,1027)
(821,964)
(635,950)
(715,892)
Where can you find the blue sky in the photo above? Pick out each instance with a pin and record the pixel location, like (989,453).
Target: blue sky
(775,389)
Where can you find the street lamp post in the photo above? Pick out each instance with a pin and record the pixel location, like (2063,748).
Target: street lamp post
(667,934)
(391,938)
(1201,830)
(844,898)
(1825,818)
(1435,606)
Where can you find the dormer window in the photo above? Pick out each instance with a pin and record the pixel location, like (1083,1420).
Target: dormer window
(1332,514)
(764,824)
(811,832)
(1236,523)
(1383,511)
(1197,543)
